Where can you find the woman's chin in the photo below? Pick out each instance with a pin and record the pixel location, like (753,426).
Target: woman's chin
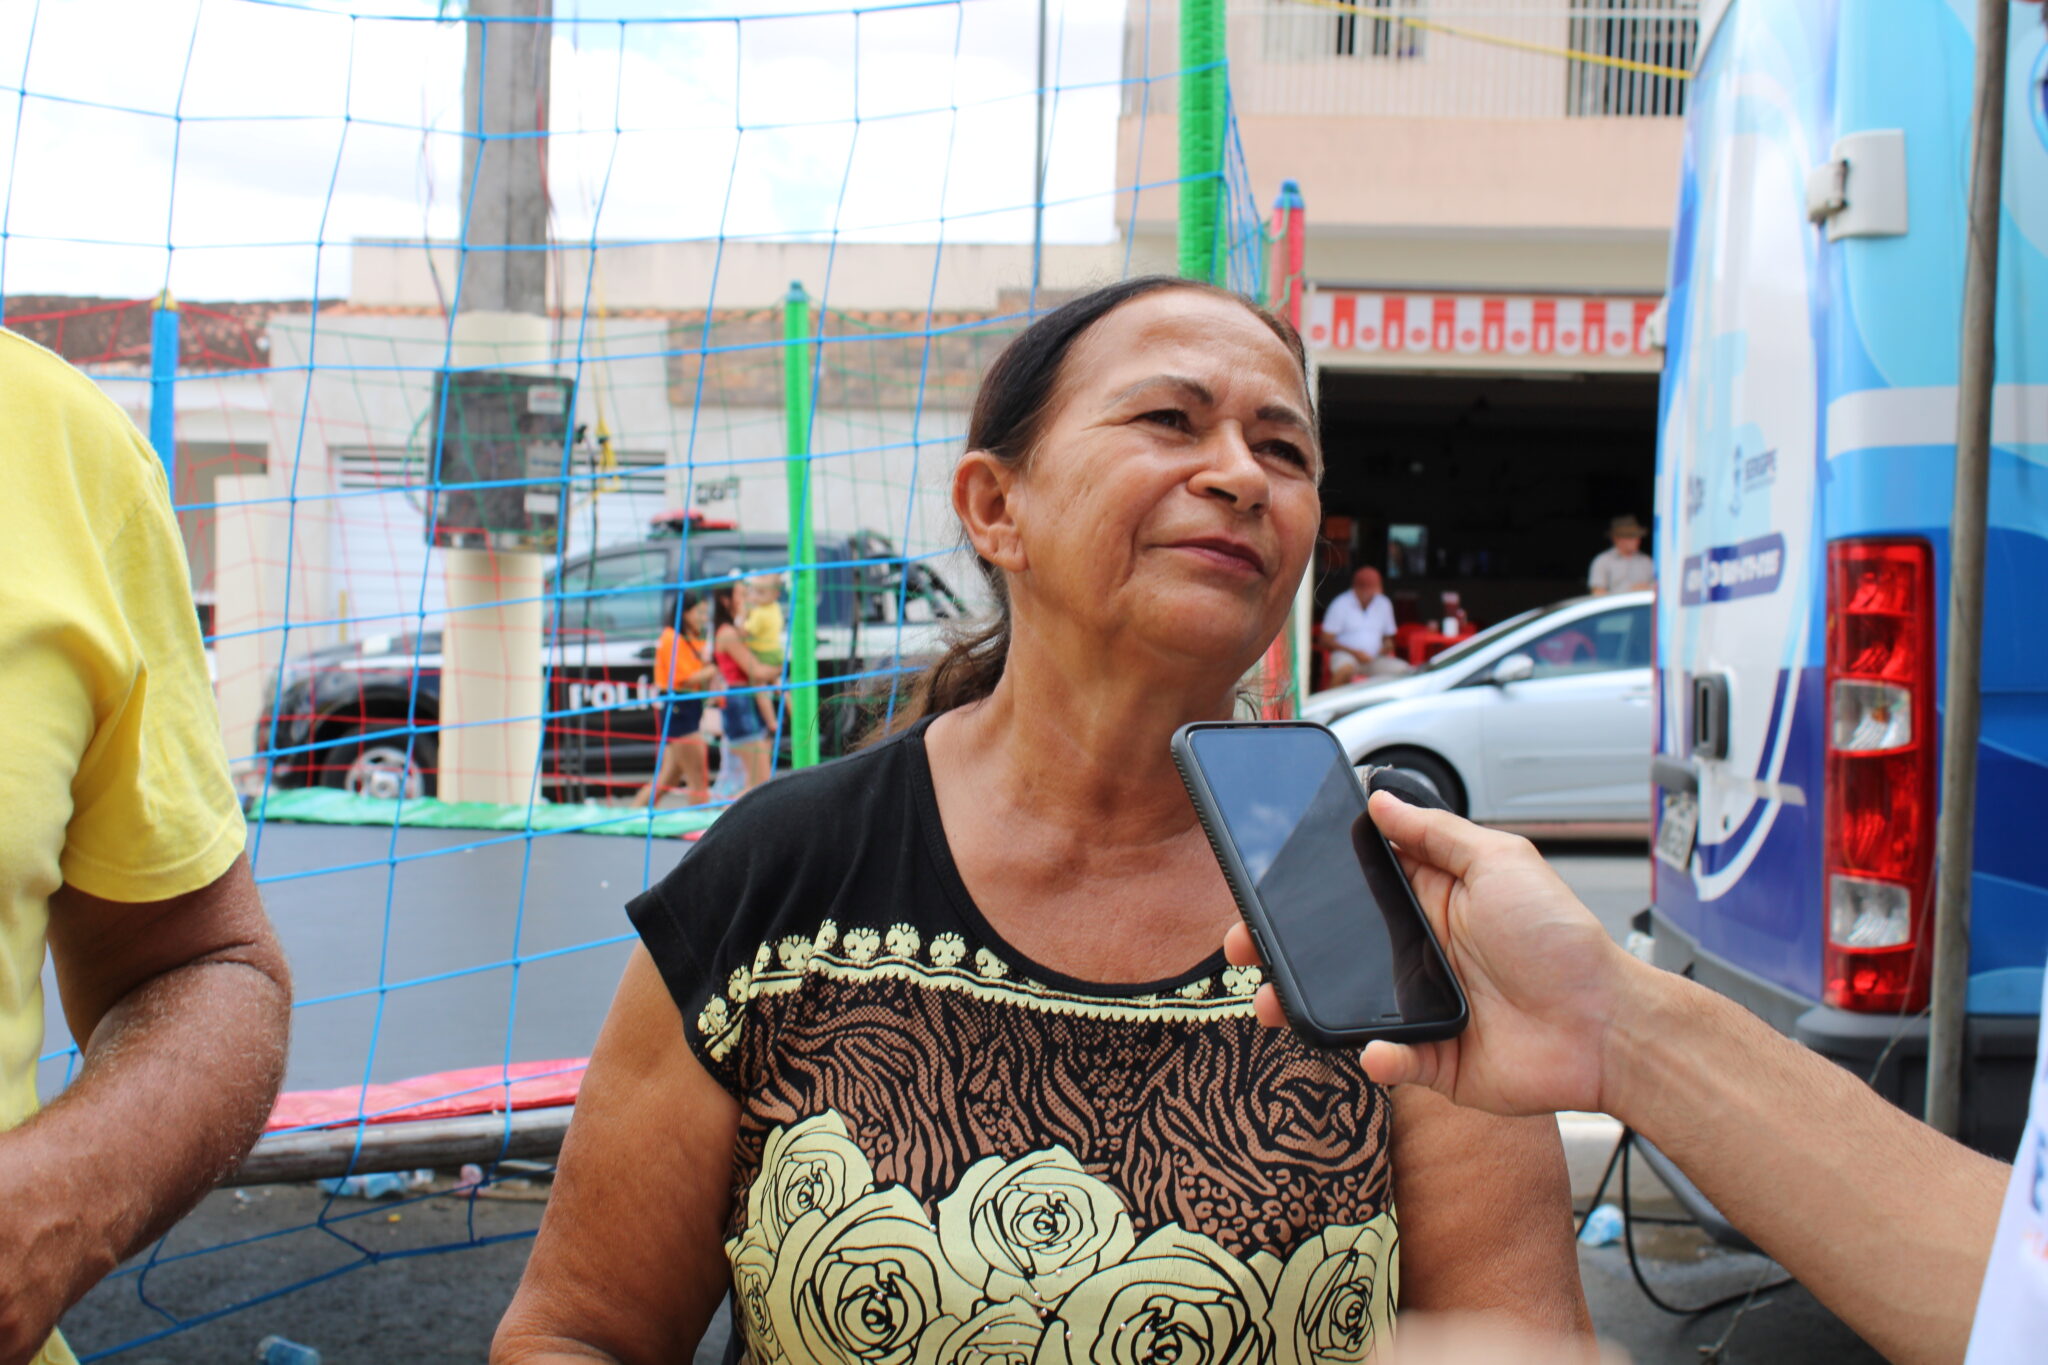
(1215,638)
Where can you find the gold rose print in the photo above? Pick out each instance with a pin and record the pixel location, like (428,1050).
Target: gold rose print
(1034,1227)
(808,1167)
(1336,1294)
(1005,1333)
(753,1267)
(862,1286)
(1031,1261)
(1178,1297)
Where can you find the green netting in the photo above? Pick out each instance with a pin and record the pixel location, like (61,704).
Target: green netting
(330,806)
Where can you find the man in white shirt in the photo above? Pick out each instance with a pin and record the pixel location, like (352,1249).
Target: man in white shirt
(1624,568)
(1356,629)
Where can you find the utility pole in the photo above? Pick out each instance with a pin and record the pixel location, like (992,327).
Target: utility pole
(1956,832)
(1038,169)
(492,666)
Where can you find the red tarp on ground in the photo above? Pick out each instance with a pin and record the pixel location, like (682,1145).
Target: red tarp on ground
(444,1095)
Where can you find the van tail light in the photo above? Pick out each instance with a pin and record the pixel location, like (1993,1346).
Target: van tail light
(1879,800)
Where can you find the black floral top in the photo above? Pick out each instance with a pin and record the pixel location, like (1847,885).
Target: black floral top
(950,1154)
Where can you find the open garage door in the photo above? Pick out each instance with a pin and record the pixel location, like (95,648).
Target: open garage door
(1500,489)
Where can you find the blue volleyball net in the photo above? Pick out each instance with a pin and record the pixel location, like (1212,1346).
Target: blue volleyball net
(450,497)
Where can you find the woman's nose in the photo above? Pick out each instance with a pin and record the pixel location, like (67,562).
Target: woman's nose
(1232,472)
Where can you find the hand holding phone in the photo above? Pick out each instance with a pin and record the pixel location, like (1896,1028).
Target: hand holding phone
(1548,989)
(1346,943)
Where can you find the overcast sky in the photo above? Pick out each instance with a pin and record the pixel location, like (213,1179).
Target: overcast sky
(646,118)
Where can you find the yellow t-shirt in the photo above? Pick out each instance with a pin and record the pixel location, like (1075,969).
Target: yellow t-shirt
(763,629)
(112,776)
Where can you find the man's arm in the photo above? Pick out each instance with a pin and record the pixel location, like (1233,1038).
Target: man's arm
(1887,1222)
(182,1008)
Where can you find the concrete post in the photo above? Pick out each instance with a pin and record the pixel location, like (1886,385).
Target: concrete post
(491,680)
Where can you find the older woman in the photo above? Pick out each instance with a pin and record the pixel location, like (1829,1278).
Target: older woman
(929,1057)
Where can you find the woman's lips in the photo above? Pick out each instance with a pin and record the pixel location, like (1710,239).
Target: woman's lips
(1232,555)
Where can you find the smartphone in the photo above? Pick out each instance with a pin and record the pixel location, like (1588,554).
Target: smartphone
(1343,937)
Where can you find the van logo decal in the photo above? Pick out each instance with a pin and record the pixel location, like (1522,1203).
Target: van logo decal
(1727,572)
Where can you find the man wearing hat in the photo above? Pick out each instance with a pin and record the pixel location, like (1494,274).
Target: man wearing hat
(1625,567)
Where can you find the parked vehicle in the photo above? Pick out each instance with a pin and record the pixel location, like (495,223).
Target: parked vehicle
(340,717)
(1544,719)
(1805,489)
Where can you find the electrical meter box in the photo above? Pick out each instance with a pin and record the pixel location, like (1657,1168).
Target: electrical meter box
(500,457)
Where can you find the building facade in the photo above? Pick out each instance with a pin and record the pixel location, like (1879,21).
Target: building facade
(1489,189)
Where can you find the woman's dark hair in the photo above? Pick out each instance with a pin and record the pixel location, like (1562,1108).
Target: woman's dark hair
(1017,396)
(724,600)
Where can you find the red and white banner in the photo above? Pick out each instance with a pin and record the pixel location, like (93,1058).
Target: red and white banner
(1367,321)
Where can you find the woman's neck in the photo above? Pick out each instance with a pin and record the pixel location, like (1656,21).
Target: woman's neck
(1087,744)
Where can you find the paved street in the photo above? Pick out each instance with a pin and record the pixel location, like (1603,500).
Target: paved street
(424,1307)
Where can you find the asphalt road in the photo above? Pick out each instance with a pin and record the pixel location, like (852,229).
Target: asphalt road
(376,1292)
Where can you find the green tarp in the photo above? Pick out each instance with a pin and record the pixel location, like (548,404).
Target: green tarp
(327,806)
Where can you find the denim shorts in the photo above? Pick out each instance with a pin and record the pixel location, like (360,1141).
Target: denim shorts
(743,718)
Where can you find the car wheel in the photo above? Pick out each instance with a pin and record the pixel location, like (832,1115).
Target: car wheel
(1425,767)
(380,767)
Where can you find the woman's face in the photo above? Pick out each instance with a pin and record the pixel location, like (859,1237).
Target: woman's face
(1170,505)
(698,617)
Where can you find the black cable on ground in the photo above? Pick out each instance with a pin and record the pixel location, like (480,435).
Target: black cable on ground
(1628,1241)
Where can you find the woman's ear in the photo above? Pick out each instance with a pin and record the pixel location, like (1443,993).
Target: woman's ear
(984,490)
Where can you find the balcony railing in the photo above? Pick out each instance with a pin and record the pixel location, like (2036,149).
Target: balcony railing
(1440,58)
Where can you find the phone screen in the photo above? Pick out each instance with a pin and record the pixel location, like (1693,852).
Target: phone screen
(1336,903)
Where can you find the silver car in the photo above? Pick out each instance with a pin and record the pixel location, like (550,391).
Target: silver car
(1544,719)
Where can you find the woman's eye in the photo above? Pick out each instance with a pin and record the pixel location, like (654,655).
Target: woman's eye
(1287,451)
(1169,417)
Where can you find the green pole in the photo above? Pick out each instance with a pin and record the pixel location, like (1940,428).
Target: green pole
(803,627)
(1201,136)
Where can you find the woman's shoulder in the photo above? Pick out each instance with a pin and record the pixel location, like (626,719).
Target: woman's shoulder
(790,847)
(779,863)
(814,810)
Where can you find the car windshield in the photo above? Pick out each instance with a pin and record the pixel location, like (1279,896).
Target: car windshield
(1465,649)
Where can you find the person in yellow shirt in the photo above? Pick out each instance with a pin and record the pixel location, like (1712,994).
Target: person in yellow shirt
(763,626)
(121,852)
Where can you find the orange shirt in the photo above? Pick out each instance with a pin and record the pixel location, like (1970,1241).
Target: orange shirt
(676,661)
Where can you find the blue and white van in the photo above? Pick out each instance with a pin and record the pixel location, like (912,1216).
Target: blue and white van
(1804,487)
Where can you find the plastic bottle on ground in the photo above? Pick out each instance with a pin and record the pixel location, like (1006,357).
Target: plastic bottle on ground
(732,777)
(276,1350)
(1603,1227)
(377,1184)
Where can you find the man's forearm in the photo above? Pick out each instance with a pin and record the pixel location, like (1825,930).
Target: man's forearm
(1886,1221)
(177,1082)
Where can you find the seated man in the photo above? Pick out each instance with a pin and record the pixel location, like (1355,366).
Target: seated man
(121,850)
(1356,629)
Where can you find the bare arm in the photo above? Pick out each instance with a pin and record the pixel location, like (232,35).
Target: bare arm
(183,1007)
(732,642)
(629,1265)
(1486,1215)
(1887,1222)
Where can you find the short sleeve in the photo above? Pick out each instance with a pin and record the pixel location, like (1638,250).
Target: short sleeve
(154,814)
(684,920)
